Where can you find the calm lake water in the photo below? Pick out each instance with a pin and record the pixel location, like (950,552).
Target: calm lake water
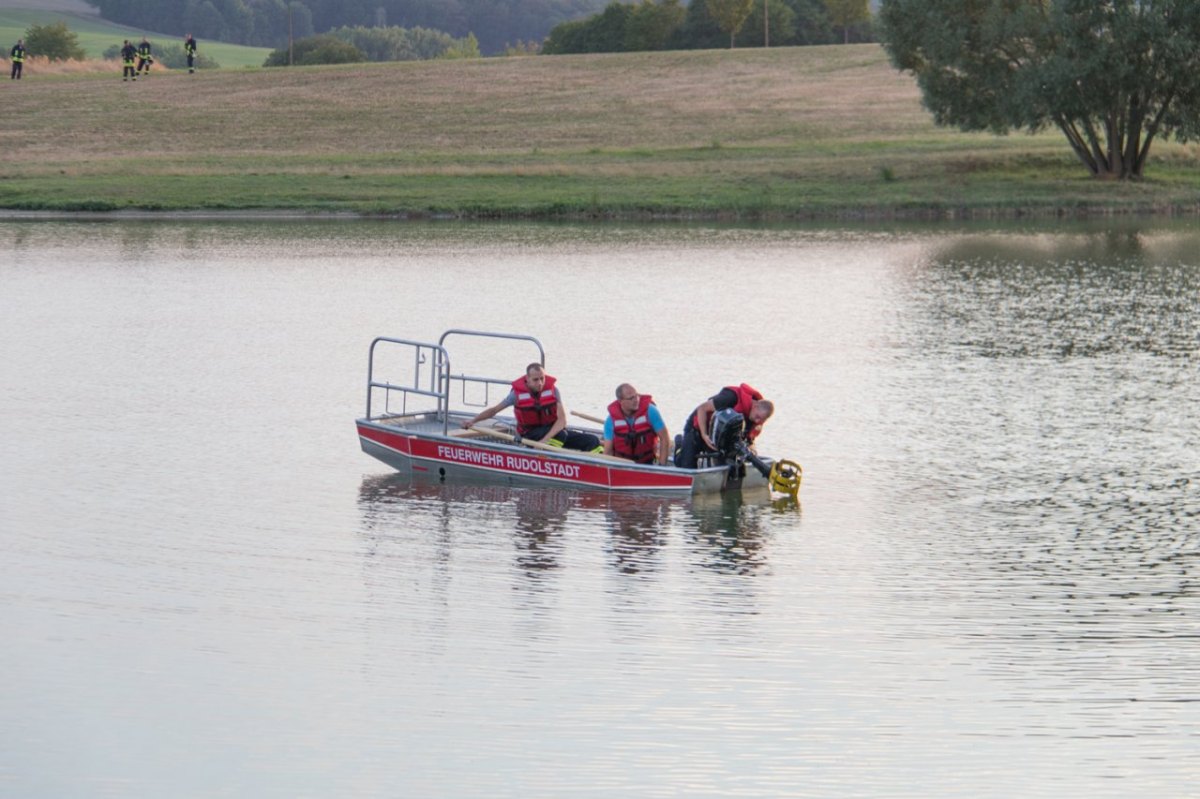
(989,587)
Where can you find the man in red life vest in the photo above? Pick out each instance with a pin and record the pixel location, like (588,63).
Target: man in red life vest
(539,410)
(744,399)
(634,428)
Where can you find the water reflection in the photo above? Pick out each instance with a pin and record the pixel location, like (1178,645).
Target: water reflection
(1057,296)
(637,527)
(727,533)
(541,515)
(730,532)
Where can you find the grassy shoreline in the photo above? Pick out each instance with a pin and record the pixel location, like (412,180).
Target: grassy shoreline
(787,133)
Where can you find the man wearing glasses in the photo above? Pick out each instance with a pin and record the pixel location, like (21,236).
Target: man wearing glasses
(634,428)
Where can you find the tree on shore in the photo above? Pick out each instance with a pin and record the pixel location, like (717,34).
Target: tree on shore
(1111,75)
(730,15)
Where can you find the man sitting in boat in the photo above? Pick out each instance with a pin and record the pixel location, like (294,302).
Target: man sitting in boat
(634,428)
(539,410)
(743,399)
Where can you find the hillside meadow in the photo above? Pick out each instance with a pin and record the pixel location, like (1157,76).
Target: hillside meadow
(95,35)
(784,133)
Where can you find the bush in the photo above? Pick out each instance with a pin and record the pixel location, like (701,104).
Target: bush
(54,42)
(173,56)
(313,50)
(400,44)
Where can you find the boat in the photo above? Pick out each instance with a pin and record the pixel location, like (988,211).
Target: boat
(416,405)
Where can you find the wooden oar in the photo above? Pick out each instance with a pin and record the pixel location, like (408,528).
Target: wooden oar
(587,416)
(491,431)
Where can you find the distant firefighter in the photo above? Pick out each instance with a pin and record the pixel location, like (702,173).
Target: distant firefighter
(189,47)
(128,54)
(145,56)
(18,59)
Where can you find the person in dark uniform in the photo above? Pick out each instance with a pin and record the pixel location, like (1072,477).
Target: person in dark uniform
(189,47)
(128,54)
(145,56)
(744,399)
(18,59)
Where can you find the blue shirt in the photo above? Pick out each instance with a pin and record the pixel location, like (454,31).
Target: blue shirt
(652,415)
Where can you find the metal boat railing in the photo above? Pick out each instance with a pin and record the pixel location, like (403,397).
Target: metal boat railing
(434,377)
(431,377)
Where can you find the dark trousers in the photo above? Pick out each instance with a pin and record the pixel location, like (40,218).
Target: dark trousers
(16,70)
(191,63)
(143,63)
(129,73)
(571,439)
(691,447)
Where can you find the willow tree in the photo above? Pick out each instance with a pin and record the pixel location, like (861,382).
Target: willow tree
(1112,75)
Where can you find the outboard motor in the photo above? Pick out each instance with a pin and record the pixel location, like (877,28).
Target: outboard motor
(726,429)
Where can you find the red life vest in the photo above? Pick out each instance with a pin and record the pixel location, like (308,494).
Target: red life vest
(636,441)
(747,395)
(534,410)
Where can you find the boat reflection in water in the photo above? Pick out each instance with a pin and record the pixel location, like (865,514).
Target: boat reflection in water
(730,531)
(727,532)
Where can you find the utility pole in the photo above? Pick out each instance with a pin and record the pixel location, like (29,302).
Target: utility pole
(766,23)
(289,33)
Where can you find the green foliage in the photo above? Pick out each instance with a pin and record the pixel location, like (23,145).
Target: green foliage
(265,22)
(314,50)
(55,42)
(522,48)
(173,56)
(847,13)
(401,44)
(1111,76)
(467,47)
(730,15)
(650,25)
(600,33)
(781,20)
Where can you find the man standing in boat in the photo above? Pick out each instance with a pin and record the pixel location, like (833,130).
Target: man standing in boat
(539,410)
(634,428)
(744,399)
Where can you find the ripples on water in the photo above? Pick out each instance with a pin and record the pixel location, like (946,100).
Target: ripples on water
(988,587)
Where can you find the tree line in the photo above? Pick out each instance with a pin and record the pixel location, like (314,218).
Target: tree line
(705,24)
(270,23)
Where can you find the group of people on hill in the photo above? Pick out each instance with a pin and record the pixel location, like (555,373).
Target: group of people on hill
(142,54)
(633,429)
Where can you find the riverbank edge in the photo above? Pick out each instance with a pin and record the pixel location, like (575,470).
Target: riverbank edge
(847,214)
